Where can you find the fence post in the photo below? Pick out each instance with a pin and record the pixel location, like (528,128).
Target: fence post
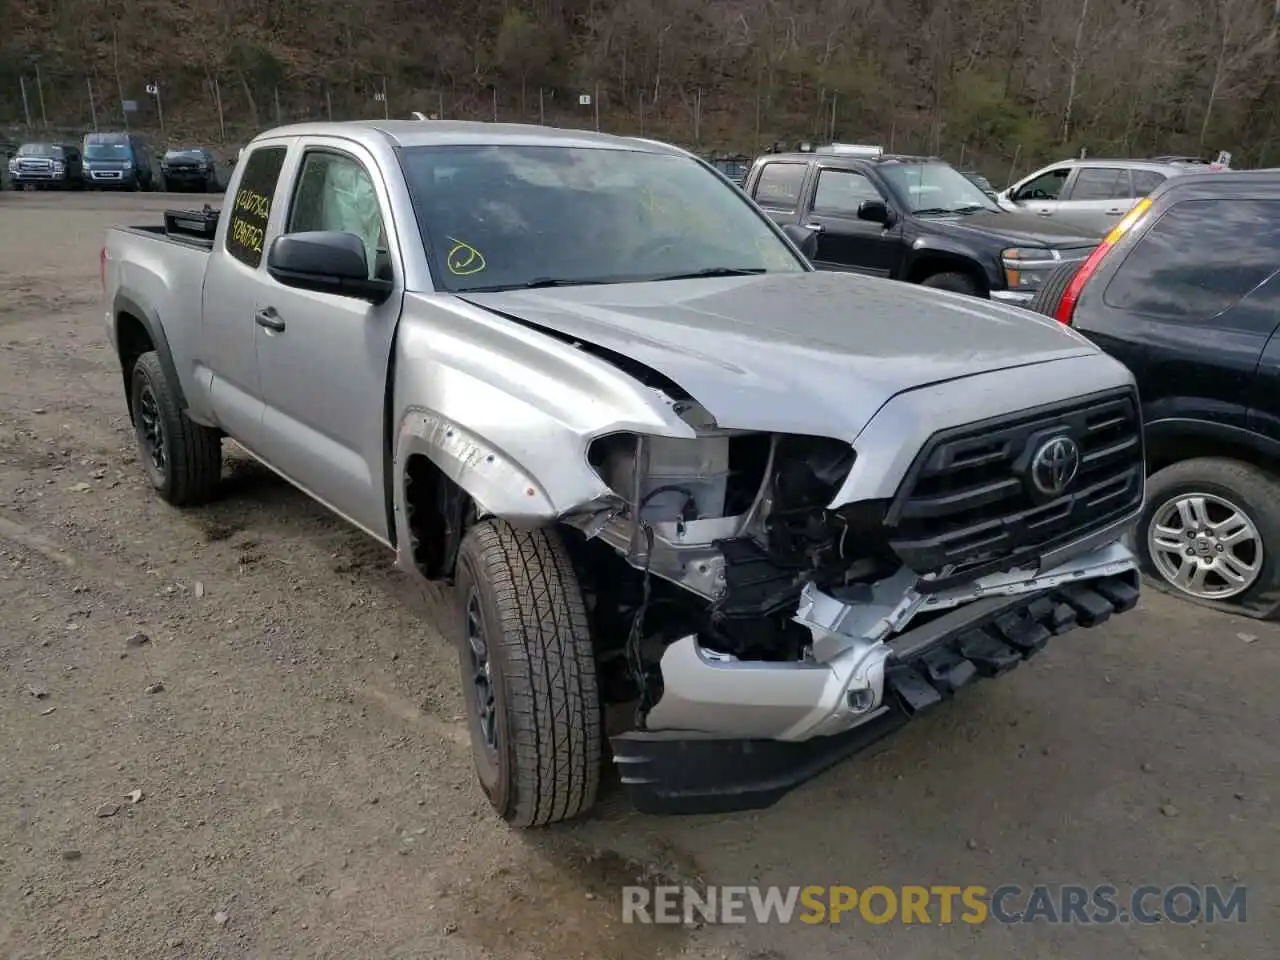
(542,114)
(276,93)
(386,106)
(159,110)
(697,118)
(834,95)
(26,108)
(595,103)
(328,103)
(44,117)
(440,103)
(1014,166)
(217,101)
(495,103)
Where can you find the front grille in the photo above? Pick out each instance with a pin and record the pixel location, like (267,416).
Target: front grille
(969,506)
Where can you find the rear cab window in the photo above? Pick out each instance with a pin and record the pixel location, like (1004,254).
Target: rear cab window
(780,183)
(250,208)
(1199,260)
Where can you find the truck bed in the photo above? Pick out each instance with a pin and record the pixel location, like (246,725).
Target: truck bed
(193,228)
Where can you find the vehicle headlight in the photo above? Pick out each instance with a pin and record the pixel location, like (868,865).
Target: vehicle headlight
(59,167)
(1026,267)
(13,166)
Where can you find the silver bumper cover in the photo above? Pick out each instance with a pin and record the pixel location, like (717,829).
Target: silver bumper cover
(843,685)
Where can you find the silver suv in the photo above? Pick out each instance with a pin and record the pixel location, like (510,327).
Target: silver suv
(1094,194)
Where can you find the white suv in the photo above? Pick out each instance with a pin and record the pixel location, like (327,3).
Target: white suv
(1094,194)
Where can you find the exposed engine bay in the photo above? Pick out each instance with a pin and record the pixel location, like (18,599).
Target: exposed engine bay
(722,536)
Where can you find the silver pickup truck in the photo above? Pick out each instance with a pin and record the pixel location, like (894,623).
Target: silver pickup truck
(759,514)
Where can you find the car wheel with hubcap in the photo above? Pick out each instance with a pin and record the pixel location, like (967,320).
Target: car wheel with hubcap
(1211,528)
(528,673)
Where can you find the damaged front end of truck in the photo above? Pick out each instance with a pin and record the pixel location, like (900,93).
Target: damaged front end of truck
(771,619)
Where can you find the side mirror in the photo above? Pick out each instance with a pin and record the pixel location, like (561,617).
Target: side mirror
(326,261)
(804,238)
(874,211)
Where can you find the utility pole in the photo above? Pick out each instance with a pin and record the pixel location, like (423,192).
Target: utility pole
(44,117)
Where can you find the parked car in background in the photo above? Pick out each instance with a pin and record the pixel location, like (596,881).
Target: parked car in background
(916,219)
(1094,194)
(734,167)
(982,183)
(189,168)
(46,166)
(117,160)
(1186,292)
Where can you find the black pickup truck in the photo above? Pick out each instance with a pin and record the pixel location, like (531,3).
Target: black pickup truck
(911,218)
(1185,291)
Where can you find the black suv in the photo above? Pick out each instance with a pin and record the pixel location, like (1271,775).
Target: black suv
(1186,292)
(911,218)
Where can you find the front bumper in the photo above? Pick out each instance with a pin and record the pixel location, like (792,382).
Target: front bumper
(111,178)
(736,736)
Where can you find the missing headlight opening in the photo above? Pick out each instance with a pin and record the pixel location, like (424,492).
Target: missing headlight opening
(728,529)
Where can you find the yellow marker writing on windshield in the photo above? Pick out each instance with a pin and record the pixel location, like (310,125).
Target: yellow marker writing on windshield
(464,259)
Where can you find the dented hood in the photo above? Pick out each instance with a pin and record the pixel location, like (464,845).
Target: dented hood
(812,353)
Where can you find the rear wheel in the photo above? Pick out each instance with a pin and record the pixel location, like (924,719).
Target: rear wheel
(952,280)
(1211,529)
(183,459)
(529,674)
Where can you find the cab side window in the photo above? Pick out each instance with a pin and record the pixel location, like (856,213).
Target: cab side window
(1047,186)
(251,206)
(841,192)
(335,192)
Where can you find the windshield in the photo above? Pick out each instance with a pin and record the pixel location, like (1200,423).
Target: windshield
(935,188)
(106,151)
(39,150)
(505,217)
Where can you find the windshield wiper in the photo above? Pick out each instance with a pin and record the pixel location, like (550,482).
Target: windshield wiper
(949,211)
(712,272)
(537,283)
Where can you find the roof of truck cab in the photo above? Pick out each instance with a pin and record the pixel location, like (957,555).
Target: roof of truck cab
(430,133)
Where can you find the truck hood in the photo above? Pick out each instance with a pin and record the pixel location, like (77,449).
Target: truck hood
(811,353)
(1019,228)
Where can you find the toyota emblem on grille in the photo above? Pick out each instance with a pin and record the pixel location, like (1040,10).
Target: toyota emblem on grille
(1055,465)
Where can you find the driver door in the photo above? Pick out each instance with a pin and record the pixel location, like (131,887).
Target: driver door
(844,241)
(1041,194)
(322,357)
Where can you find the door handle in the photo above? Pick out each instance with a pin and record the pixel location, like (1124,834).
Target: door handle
(270,319)
(1044,213)
(1114,213)
(815,227)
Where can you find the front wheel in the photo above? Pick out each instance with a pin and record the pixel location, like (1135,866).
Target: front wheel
(528,674)
(1211,530)
(183,459)
(954,281)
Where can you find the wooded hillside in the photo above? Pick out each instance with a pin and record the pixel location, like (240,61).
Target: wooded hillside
(991,77)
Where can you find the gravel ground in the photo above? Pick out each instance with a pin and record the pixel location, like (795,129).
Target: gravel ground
(293,725)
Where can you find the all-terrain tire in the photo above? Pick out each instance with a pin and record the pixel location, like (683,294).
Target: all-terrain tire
(954,281)
(1252,490)
(546,717)
(190,467)
(1051,291)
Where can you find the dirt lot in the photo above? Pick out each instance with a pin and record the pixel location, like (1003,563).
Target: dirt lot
(306,785)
